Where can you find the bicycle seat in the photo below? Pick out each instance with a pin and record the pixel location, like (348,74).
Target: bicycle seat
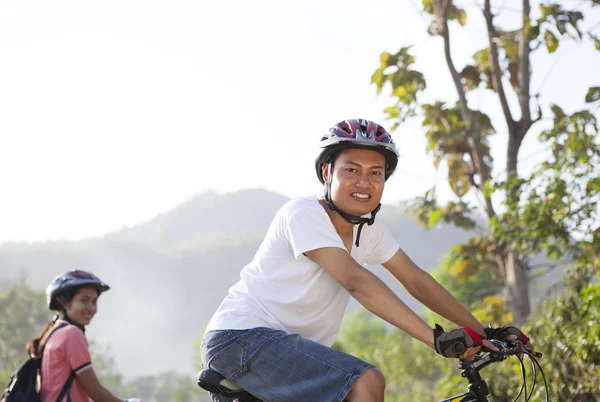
(217,384)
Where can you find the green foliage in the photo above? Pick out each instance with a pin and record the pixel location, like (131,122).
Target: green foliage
(551,41)
(104,367)
(406,363)
(447,133)
(470,77)
(23,315)
(556,20)
(566,330)
(553,210)
(509,42)
(463,273)
(593,94)
(395,69)
(168,386)
(561,198)
(454,14)
(428,213)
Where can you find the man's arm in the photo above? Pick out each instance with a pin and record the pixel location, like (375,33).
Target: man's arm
(428,291)
(371,292)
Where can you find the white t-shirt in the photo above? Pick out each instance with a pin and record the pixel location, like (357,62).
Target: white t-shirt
(283,289)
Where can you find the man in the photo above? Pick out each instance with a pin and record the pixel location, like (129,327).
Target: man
(272,333)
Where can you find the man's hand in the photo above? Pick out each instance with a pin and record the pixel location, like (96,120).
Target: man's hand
(510,333)
(463,343)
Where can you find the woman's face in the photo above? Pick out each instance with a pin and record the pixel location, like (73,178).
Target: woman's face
(82,308)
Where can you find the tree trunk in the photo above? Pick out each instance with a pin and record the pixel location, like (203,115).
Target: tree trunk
(517,288)
(514,271)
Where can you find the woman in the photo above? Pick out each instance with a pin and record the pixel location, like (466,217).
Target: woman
(66,371)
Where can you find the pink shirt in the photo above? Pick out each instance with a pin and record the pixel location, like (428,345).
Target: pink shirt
(66,351)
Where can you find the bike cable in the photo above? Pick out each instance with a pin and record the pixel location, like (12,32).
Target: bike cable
(534,360)
(524,384)
(534,369)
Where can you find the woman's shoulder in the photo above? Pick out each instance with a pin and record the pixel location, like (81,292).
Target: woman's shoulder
(67,331)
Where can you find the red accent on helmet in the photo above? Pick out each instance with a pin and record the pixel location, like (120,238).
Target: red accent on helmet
(361,134)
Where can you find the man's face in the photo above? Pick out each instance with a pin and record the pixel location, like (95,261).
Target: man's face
(358,180)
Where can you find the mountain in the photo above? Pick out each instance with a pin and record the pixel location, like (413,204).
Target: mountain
(169,275)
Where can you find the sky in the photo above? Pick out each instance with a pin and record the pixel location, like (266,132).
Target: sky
(113,112)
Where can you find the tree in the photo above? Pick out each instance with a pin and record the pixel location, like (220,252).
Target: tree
(556,207)
(23,314)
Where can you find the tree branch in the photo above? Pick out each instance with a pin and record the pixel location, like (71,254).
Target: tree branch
(474,139)
(462,98)
(524,71)
(495,67)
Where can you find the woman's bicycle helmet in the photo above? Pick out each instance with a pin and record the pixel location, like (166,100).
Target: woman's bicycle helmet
(71,279)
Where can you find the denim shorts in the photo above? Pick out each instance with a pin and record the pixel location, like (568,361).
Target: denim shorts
(276,366)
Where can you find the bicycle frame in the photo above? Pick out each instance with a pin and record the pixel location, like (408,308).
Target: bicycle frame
(467,397)
(461,398)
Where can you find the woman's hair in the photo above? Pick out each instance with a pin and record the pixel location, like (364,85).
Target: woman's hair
(63,298)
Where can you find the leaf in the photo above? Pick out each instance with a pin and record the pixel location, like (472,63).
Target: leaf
(593,95)
(462,17)
(392,112)
(400,92)
(471,77)
(551,41)
(458,175)
(534,32)
(384,57)
(434,217)
(427,6)
(378,78)
(561,25)
(488,188)
(558,112)
(574,18)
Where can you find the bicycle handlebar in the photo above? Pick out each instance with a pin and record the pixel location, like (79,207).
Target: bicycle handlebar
(512,348)
(505,349)
(470,369)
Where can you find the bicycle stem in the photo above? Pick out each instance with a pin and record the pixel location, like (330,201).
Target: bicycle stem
(477,385)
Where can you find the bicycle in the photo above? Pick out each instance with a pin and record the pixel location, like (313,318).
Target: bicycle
(478,391)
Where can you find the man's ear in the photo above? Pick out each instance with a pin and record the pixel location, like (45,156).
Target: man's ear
(325,171)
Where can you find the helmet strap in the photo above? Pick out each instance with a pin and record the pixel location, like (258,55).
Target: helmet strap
(68,319)
(353,219)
